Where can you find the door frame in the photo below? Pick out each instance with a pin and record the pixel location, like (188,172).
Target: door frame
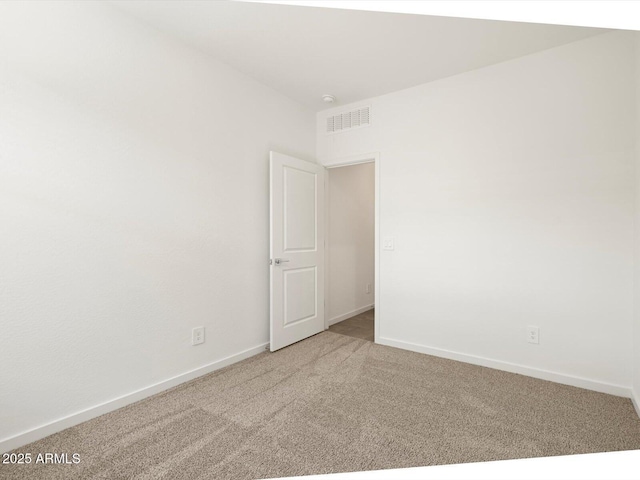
(346,162)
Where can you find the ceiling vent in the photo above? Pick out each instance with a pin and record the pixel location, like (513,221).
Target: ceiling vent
(341,122)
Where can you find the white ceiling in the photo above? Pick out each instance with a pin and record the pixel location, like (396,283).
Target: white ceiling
(304,52)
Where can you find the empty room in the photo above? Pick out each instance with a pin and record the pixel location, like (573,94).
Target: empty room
(244,240)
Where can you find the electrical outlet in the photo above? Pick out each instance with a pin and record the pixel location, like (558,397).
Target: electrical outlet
(388,243)
(533,334)
(368,289)
(197,336)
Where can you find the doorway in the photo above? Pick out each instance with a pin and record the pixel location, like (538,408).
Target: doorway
(300,252)
(350,253)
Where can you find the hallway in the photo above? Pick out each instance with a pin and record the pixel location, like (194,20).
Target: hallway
(360,326)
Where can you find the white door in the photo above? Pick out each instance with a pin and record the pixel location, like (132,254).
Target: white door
(297,249)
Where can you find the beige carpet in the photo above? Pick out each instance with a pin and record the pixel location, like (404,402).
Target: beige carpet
(334,403)
(359,326)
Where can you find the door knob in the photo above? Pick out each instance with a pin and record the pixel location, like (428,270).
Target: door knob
(279,261)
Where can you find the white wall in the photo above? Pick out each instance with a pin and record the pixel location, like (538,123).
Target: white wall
(351,216)
(510,193)
(133,207)
(636,359)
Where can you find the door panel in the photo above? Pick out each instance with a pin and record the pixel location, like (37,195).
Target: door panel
(299,210)
(300,301)
(297,249)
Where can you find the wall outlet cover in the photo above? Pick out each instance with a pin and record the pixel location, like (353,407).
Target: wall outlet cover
(197,336)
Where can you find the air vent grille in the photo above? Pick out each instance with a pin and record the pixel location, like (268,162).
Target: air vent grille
(348,120)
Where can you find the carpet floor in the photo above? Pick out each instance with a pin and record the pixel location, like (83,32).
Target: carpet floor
(334,403)
(359,326)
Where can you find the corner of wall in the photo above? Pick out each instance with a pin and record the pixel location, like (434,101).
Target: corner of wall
(635,399)
(636,324)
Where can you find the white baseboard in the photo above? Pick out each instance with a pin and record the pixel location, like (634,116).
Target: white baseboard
(350,314)
(37,433)
(635,399)
(572,380)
